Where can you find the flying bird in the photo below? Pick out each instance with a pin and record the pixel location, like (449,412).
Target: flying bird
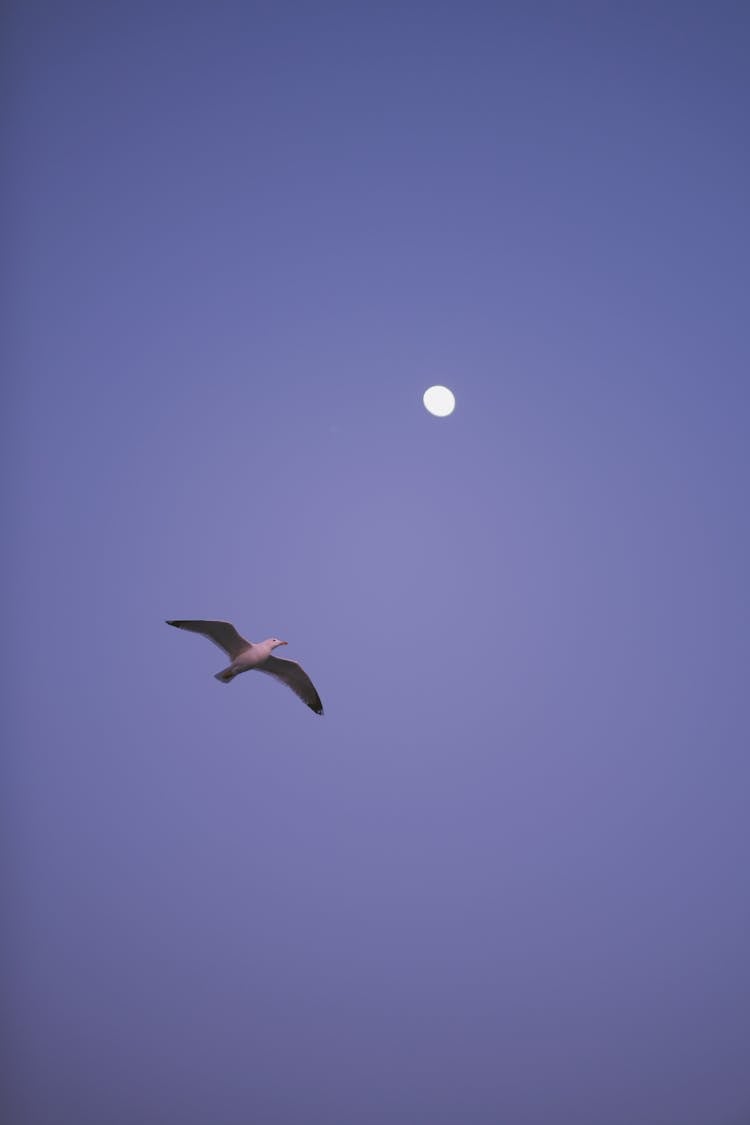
(245,656)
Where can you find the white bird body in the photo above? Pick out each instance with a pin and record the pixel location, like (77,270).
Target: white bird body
(247,656)
(256,653)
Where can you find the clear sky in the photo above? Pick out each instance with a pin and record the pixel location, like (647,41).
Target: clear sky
(504,879)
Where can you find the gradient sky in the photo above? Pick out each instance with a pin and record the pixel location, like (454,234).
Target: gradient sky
(504,879)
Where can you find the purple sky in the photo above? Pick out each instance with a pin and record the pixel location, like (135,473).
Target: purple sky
(505,878)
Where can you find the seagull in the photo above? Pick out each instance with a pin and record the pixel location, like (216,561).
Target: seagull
(246,656)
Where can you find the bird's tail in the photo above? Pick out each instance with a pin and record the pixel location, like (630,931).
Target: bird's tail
(226,675)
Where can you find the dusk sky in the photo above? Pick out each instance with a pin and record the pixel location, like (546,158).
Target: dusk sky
(504,880)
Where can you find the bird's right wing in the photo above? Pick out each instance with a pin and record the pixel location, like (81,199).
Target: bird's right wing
(294,676)
(220,632)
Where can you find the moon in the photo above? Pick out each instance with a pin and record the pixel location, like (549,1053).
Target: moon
(439,401)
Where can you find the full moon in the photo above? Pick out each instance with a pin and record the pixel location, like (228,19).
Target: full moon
(439,401)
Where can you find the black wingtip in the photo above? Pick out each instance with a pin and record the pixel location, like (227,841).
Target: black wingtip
(318,710)
(175,623)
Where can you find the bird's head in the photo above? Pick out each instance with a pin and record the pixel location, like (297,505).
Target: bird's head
(275,642)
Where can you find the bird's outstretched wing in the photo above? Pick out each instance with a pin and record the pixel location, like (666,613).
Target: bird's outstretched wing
(294,676)
(220,632)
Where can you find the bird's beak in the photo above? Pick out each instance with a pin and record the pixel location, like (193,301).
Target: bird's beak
(283,642)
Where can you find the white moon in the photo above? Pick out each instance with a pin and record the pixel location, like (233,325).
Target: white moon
(439,401)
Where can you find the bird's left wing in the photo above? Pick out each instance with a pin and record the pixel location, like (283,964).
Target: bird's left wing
(294,676)
(220,632)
